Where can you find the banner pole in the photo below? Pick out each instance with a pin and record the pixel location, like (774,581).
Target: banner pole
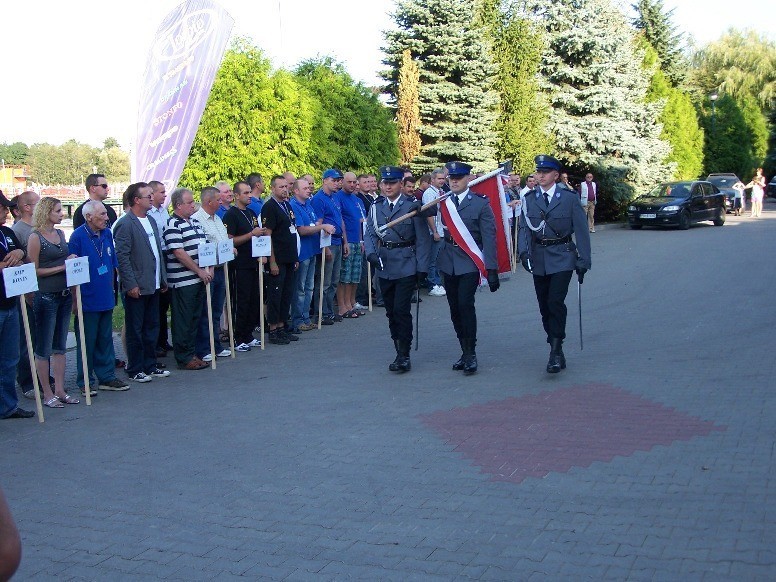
(320,289)
(31,356)
(369,283)
(514,247)
(261,303)
(229,310)
(84,363)
(210,326)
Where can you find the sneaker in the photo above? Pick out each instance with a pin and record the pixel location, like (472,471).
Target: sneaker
(437,291)
(278,338)
(307,327)
(288,335)
(337,318)
(92,392)
(140,377)
(224,353)
(30,394)
(207,358)
(359,306)
(243,347)
(114,385)
(327,320)
(255,343)
(293,331)
(159,373)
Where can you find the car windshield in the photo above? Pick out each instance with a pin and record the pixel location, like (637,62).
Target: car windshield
(723,181)
(671,190)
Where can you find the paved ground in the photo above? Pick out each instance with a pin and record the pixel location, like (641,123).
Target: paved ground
(650,458)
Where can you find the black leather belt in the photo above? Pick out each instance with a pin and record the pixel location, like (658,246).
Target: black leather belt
(548,242)
(451,241)
(399,245)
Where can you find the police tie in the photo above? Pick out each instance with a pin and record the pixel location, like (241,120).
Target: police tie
(390,206)
(455,200)
(547,199)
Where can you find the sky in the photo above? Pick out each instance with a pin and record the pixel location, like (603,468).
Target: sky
(72,69)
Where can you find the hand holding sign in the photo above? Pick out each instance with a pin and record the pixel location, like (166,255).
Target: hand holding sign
(325,239)
(20,279)
(207,254)
(77,271)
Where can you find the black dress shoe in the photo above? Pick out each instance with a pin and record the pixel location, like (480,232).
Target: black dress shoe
(21,413)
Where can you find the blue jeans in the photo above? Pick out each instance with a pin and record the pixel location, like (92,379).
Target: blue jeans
(52,320)
(304,283)
(100,356)
(217,297)
(9,357)
(434,277)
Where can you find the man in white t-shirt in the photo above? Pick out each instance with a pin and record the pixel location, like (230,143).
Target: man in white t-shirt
(433,192)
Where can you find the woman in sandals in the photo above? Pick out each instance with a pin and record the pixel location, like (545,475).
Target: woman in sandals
(47,248)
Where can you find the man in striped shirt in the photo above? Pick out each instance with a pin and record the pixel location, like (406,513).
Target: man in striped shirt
(185,278)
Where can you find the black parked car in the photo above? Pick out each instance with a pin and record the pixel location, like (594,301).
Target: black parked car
(678,204)
(726,184)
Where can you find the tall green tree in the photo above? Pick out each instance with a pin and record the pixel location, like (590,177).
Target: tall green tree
(408,109)
(352,129)
(458,105)
(516,49)
(67,164)
(728,139)
(681,127)
(254,121)
(14,154)
(655,22)
(114,163)
(591,71)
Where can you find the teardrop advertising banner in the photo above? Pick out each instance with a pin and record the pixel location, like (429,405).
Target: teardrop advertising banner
(182,65)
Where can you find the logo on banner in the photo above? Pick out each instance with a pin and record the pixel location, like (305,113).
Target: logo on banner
(185,35)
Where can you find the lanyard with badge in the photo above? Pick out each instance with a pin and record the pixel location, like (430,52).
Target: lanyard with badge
(308,210)
(290,214)
(103,268)
(251,223)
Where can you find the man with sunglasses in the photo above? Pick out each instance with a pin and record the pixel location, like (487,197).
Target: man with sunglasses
(97,190)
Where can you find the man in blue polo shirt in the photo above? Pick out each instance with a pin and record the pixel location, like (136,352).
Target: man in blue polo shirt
(256,182)
(309,227)
(353,216)
(94,240)
(328,208)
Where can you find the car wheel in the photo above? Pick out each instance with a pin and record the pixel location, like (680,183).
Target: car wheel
(684,220)
(636,226)
(720,220)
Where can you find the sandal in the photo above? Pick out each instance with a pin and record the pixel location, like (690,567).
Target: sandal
(69,399)
(350,314)
(54,403)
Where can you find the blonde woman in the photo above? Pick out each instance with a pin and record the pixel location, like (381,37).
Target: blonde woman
(47,248)
(758,189)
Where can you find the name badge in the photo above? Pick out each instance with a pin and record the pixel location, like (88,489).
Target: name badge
(292,229)
(102,269)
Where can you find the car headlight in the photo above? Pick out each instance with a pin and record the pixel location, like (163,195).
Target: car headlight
(671,208)
(632,208)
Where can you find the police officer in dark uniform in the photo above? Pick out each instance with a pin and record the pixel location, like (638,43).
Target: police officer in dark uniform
(461,274)
(550,214)
(400,256)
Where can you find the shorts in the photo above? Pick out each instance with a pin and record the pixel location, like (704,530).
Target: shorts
(351,265)
(52,320)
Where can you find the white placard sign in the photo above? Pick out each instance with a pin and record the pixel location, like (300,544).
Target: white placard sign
(325,239)
(77,271)
(21,279)
(225,251)
(207,254)
(261,246)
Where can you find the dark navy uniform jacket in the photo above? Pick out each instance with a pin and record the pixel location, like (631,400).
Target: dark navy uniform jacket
(477,215)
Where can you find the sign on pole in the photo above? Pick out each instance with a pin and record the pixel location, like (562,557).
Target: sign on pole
(325,243)
(207,258)
(226,254)
(77,274)
(18,281)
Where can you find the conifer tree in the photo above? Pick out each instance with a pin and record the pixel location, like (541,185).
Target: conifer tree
(591,70)
(457,103)
(408,109)
(655,22)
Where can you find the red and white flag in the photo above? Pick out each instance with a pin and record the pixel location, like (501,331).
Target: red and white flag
(493,186)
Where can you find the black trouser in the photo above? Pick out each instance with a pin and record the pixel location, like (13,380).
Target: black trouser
(397,295)
(280,290)
(551,291)
(141,321)
(460,297)
(246,312)
(186,308)
(164,305)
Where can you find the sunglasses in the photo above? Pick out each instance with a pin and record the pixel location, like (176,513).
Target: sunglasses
(102,185)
